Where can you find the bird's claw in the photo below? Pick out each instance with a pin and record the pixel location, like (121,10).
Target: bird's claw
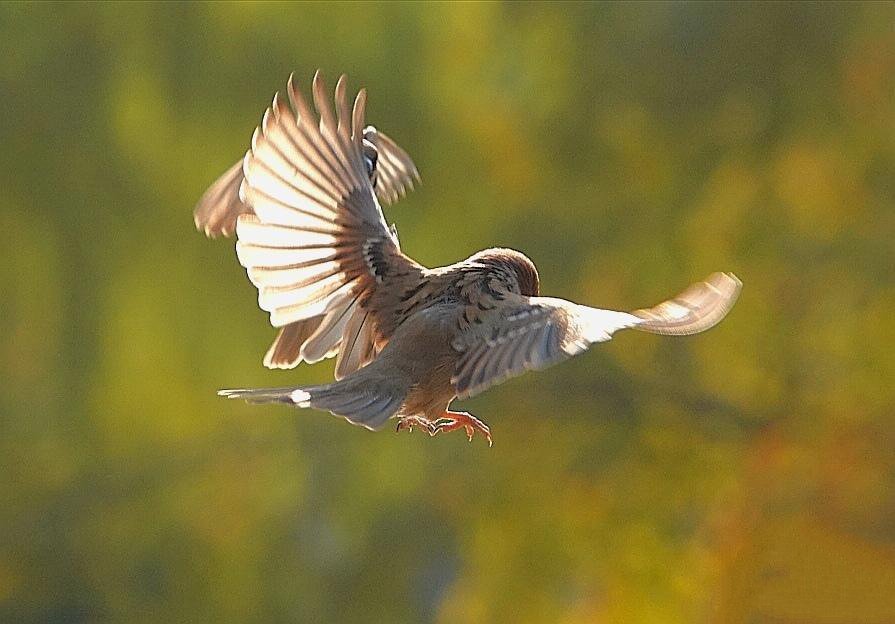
(448,422)
(455,420)
(407,423)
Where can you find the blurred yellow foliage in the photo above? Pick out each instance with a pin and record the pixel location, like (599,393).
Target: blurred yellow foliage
(744,475)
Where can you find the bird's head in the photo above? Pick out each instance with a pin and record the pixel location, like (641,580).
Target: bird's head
(517,263)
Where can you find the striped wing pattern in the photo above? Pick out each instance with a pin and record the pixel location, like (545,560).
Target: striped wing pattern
(219,207)
(395,172)
(315,242)
(529,333)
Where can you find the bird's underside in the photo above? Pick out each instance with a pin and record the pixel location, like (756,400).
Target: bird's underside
(408,340)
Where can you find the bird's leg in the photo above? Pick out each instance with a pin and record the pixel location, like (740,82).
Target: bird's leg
(450,421)
(409,422)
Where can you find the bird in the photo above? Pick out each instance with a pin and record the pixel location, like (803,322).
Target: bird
(305,204)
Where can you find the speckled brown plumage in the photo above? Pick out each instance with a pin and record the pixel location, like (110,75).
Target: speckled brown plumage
(304,204)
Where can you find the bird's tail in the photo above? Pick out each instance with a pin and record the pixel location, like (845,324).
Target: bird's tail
(356,398)
(701,306)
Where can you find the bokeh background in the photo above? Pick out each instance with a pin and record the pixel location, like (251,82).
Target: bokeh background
(744,475)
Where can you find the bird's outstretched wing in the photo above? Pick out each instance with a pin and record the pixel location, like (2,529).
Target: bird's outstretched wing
(395,174)
(217,209)
(315,242)
(528,333)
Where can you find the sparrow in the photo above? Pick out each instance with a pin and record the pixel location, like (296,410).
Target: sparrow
(305,204)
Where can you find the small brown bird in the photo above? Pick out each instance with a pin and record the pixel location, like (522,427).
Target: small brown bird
(304,203)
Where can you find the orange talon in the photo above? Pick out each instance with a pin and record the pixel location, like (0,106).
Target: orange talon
(408,423)
(455,420)
(449,421)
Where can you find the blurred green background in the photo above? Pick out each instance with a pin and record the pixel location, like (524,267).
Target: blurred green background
(744,475)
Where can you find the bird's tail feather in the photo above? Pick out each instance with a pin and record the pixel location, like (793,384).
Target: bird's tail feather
(262,395)
(701,306)
(360,402)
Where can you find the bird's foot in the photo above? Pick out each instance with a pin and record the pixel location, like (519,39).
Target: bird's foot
(407,423)
(450,421)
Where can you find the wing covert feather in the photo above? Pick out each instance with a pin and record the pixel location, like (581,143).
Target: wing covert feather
(529,333)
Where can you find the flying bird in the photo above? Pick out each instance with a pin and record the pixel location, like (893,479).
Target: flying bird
(305,204)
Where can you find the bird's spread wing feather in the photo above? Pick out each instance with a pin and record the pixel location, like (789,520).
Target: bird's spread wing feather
(395,172)
(527,333)
(701,306)
(220,206)
(315,243)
